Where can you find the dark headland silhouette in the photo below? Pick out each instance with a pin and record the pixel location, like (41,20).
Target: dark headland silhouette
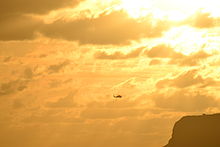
(196,131)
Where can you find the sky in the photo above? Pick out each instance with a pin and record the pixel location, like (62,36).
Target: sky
(61,62)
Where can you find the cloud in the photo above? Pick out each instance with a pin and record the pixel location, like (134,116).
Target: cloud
(216,61)
(113,28)
(13,86)
(64,102)
(11,8)
(163,51)
(57,67)
(186,79)
(28,73)
(22,78)
(19,28)
(192,59)
(118,55)
(184,100)
(16,25)
(202,20)
(155,62)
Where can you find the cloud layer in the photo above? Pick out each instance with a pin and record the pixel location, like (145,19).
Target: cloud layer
(59,72)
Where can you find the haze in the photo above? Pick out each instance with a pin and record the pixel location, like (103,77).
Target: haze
(63,61)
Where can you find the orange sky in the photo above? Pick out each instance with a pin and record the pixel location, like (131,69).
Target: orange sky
(62,60)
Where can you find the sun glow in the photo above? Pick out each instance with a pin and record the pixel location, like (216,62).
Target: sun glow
(186,39)
(137,8)
(159,9)
(175,10)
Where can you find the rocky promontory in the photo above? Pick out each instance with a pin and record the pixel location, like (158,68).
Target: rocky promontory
(196,131)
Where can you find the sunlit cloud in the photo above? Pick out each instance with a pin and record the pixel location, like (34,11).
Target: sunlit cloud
(189,78)
(118,55)
(106,29)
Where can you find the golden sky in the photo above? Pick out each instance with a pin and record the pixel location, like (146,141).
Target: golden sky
(61,62)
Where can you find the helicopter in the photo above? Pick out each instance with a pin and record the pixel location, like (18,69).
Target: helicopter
(117,96)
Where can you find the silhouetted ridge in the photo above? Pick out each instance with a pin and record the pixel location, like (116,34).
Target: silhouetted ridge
(196,131)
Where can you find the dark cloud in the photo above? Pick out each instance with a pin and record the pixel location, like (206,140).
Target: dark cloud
(19,28)
(16,25)
(118,55)
(163,51)
(187,79)
(13,86)
(28,73)
(183,100)
(57,67)
(19,84)
(12,8)
(113,28)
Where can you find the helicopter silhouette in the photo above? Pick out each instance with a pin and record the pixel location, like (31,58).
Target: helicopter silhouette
(117,96)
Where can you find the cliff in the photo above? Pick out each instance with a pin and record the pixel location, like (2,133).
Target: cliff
(196,131)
